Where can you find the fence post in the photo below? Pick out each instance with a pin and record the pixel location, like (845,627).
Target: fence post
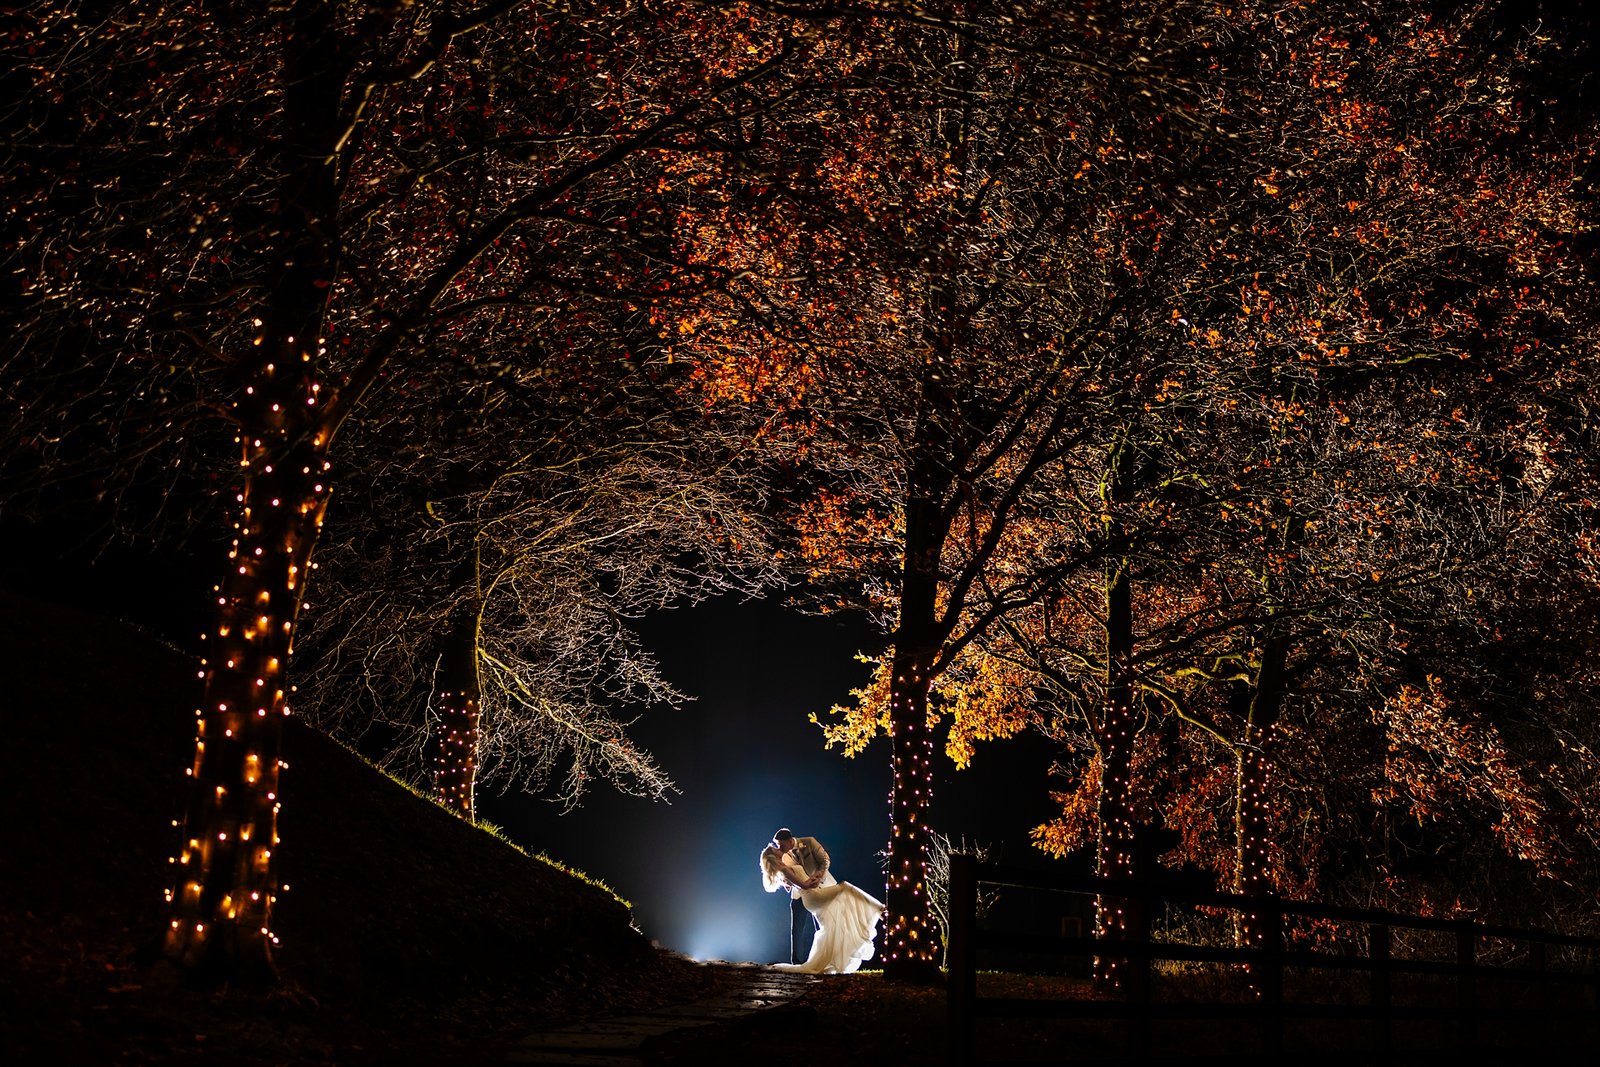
(1591,990)
(1467,984)
(1541,964)
(1271,916)
(1382,988)
(1136,985)
(961,979)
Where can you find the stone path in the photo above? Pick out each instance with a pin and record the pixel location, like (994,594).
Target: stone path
(619,1041)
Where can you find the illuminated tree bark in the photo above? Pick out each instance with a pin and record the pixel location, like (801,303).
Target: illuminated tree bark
(579,526)
(1119,724)
(222,900)
(1254,799)
(911,940)
(1114,849)
(455,739)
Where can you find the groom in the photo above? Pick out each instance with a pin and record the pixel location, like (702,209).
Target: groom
(813,858)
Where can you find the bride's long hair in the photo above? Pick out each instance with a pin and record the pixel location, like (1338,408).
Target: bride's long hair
(769,869)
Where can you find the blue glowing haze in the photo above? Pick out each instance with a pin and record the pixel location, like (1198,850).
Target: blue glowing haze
(747,761)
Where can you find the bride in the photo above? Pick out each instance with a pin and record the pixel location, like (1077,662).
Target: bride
(847,918)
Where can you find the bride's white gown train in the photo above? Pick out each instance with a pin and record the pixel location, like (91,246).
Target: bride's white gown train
(847,919)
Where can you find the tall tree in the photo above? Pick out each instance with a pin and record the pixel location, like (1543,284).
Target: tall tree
(401,160)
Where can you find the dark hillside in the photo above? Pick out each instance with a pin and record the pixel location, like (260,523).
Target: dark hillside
(408,935)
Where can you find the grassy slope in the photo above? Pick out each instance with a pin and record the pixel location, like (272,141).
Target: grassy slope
(409,936)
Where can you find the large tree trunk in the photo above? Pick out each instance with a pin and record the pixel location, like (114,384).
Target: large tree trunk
(222,898)
(1115,846)
(1114,850)
(1252,826)
(455,758)
(911,943)
(221,920)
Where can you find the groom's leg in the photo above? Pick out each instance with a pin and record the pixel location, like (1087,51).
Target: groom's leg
(800,927)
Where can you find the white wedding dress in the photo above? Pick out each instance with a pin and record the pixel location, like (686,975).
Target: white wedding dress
(847,920)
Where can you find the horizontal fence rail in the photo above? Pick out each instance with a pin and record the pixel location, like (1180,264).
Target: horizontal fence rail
(1553,977)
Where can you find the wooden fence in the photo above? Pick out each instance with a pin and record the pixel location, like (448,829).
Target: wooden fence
(1535,979)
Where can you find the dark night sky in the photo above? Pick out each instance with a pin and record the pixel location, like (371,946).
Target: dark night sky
(748,761)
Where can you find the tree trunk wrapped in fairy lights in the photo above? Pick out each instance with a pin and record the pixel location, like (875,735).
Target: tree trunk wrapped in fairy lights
(455,759)
(1114,849)
(911,942)
(1253,803)
(226,884)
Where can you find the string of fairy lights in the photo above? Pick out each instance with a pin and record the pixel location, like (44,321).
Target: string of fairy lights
(910,937)
(225,880)
(1252,872)
(455,765)
(1115,859)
